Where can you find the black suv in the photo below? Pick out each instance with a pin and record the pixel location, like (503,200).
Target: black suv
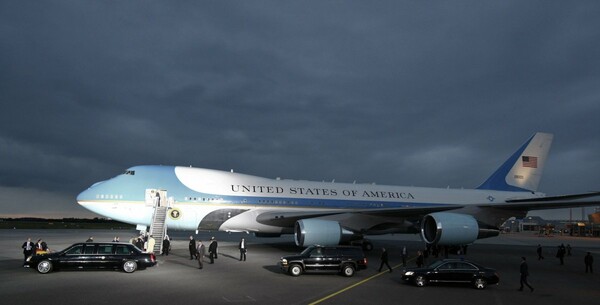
(344,259)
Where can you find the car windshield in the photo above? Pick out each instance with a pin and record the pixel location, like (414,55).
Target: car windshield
(307,251)
(435,264)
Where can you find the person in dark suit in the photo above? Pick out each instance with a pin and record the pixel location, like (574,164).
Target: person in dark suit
(28,248)
(243,249)
(212,250)
(589,261)
(524,270)
(539,252)
(384,260)
(192,248)
(166,245)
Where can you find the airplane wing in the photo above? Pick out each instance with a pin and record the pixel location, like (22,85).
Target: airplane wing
(288,218)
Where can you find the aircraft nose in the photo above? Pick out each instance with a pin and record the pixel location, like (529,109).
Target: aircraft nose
(89,193)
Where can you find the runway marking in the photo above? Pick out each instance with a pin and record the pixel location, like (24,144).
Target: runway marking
(356,284)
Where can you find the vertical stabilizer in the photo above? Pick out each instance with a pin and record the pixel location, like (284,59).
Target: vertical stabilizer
(523,170)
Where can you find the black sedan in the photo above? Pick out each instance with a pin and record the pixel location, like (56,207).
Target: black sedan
(126,257)
(452,271)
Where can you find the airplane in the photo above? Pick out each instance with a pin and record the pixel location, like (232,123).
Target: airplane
(330,213)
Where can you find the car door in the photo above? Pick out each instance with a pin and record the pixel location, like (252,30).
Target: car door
(465,272)
(444,272)
(104,256)
(72,257)
(314,261)
(332,259)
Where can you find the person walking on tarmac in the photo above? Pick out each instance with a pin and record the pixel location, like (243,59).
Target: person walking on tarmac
(200,254)
(384,260)
(539,252)
(589,261)
(166,245)
(524,270)
(212,250)
(28,248)
(243,249)
(192,248)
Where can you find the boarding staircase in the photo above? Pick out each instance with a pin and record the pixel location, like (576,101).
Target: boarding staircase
(158,228)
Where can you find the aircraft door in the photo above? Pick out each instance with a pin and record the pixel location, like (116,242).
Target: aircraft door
(156,197)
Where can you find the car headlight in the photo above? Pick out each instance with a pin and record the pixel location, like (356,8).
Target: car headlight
(284,261)
(409,273)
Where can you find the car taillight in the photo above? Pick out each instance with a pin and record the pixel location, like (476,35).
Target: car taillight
(365,261)
(152,257)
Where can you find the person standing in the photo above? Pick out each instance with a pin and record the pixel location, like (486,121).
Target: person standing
(200,251)
(561,253)
(420,259)
(166,245)
(589,261)
(384,260)
(28,248)
(404,253)
(192,248)
(243,249)
(568,249)
(216,247)
(539,252)
(212,249)
(150,244)
(524,269)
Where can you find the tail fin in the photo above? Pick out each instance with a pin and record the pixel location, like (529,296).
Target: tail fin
(523,170)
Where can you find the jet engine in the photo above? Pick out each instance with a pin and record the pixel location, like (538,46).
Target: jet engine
(445,228)
(321,232)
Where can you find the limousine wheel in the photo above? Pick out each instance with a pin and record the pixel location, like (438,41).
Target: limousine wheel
(295,270)
(44,266)
(479,283)
(129,266)
(420,281)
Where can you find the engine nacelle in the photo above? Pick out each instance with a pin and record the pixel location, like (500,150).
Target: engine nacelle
(449,229)
(321,232)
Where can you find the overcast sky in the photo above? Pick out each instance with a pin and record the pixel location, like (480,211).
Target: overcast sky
(423,93)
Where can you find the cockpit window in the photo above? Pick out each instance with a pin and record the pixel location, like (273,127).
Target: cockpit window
(129,172)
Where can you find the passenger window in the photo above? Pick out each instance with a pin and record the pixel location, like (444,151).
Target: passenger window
(448,266)
(122,250)
(316,253)
(89,249)
(465,266)
(75,250)
(104,249)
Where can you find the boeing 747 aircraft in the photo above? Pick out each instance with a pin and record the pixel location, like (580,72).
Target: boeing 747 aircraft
(326,212)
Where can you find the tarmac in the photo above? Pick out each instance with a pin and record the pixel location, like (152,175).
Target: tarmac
(177,280)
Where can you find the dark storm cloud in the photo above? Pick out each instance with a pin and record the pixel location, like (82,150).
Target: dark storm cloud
(428,94)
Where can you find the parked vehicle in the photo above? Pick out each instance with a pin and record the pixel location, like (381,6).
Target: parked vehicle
(452,271)
(343,259)
(123,256)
